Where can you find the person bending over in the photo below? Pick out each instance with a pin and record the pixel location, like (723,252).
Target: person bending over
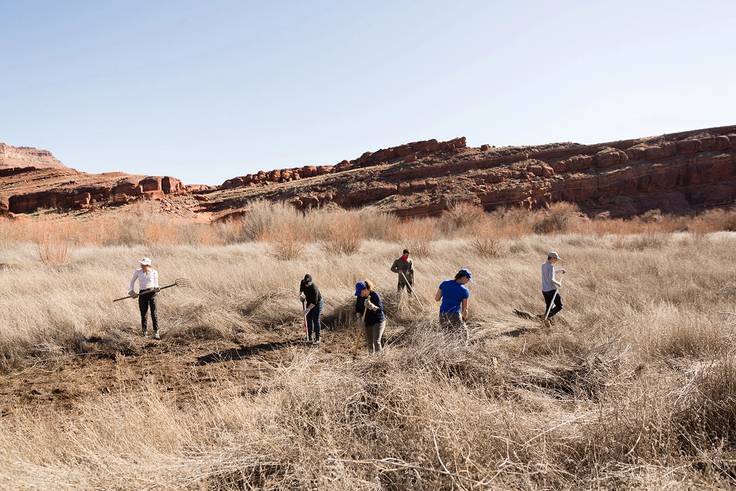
(313,309)
(454,295)
(369,307)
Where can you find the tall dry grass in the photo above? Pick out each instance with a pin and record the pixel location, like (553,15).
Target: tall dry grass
(347,228)
(632,388)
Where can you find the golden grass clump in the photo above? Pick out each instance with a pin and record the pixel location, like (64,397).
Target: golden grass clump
(53,249)
(344,233)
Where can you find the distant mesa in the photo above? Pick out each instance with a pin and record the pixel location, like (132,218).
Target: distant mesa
(27,157)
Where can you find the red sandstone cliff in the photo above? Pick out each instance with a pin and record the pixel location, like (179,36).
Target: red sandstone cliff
(678,172)
(42,182)
(26,157)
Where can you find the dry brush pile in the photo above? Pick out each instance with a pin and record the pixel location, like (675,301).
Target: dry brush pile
(635,386)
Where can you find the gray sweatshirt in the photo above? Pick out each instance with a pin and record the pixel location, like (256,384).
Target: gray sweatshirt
(549,282)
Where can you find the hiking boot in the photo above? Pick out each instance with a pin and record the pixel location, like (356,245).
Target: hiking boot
(316,342)
(144,333)
(155,335)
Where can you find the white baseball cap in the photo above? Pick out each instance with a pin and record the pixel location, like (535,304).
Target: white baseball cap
(553,254)
(145,261)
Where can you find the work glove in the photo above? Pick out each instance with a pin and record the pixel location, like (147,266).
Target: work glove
(132,294)
(156,290)
(370,305)
(302,297)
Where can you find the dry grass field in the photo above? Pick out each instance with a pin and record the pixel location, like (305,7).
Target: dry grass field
(634,386)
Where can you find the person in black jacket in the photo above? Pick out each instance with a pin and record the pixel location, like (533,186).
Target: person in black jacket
(369,307)
(313,298)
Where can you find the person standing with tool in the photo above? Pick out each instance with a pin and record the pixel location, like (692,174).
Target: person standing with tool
(148,287)
(550,286)
(369,308)
(454,295)
(404,267)
(312,299)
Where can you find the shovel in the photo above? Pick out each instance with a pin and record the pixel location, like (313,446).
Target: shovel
(183,282)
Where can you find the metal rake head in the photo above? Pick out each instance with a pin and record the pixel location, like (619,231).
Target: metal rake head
(182,282)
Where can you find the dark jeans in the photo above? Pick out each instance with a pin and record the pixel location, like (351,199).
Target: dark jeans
(146,301)
(548,300)
(453,323)
(313,324)
(408,283)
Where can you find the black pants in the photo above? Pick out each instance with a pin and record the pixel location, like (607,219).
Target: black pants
(145,301)
(313,324)
(548,300)
(407,283)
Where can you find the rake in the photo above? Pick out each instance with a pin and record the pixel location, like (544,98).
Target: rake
(182,282)
(411,288)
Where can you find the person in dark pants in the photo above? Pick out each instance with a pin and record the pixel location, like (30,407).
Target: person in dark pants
(313,310)
(404,267)
(550,286)
(454,295)
(147,279)
(369,308)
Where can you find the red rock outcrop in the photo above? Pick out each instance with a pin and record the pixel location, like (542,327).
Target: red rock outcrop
(403,153)
(11,156)
(47,184)
(678,172)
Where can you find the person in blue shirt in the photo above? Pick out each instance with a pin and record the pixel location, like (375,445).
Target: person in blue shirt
(369,307)
(454,296)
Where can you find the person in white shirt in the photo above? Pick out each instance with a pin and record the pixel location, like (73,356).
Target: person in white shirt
(550,286)
(147,279)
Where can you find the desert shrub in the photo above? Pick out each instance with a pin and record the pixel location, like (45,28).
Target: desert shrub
(53,249)
(460,216)
(377,224)
(344,234)
(288,240)
(714,220)
(642,242)
(417,235)
(557,219)
(487,248)
(262,216)
(707,415)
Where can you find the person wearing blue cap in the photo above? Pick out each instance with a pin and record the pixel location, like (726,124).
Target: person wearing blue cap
(369,307)
(454,296)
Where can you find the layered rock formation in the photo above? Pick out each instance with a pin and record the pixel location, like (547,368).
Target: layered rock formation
(678,172)
(26,157)
(45,183)
(408,152)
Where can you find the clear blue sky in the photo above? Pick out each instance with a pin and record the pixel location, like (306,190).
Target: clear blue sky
(207,90)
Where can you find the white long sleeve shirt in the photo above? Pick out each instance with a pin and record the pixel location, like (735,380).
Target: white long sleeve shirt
(146,281)
(549,281)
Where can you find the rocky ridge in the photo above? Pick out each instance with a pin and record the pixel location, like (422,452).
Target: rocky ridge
(677,172)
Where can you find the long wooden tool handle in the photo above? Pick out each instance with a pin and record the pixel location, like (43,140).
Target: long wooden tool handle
(125,298)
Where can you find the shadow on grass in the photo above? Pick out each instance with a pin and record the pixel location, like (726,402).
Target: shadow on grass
(242,352)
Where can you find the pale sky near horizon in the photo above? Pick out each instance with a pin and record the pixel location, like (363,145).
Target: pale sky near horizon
(206,91)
